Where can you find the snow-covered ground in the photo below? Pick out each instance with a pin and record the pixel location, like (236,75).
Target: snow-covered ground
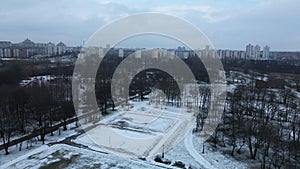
(40,79)
(36,146)
(65,156)
(214,158)
(74,149)
(121,133)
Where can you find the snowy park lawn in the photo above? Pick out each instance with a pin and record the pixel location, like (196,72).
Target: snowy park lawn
(164,130)
(65,156)
(146,117)
(139,131)
(27,148)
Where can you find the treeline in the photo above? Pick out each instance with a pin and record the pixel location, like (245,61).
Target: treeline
(12,73)
(35,108)
(280,66)
(144,81)
(263,123)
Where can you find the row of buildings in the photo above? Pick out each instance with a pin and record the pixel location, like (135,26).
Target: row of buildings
(184,53)
(254,52)
(250,53)
(27,48)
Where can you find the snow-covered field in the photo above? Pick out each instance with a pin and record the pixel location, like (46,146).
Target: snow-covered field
(123,134)
(65,156)
(34,147)
(100,147)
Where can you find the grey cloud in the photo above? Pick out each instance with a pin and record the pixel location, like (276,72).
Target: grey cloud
(272,22)
(69,21)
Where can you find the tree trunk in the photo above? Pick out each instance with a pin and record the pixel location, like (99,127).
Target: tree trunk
(51,129)
(241,146)
(232,151)
(42,136)
(5,143)
(6,150)
(250,148)
(113,106)
(65,124)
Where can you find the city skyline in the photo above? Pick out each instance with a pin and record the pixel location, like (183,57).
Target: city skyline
(28,48)
(229,25)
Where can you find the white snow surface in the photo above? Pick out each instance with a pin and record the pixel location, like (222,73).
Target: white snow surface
(167,132)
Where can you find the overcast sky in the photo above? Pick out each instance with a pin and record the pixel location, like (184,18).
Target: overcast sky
(229,24)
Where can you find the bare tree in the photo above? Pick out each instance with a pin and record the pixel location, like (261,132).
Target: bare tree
(8,120)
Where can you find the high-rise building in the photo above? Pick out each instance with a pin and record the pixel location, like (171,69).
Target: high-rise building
(253,52)
(5,47)
(249,51)
(61,48)
(171,54)
(182,52)
(108,46)
(243,55)
(266,52)
(154,53)
(256,52)
(121,53)
(138,54)
(51,49)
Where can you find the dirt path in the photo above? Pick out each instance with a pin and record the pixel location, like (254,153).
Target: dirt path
(188,142)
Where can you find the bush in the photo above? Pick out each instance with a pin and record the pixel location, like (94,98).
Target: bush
(179,164)
(162,160)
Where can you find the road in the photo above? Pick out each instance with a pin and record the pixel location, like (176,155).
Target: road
(188,142)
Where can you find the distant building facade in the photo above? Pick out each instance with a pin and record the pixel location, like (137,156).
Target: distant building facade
(231,54)
(182,52)
(266,52)
(5,49)
(61,48)
(255,53)
(27,48)
(249,51)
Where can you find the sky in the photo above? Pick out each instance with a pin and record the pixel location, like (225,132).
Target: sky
(229,24)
